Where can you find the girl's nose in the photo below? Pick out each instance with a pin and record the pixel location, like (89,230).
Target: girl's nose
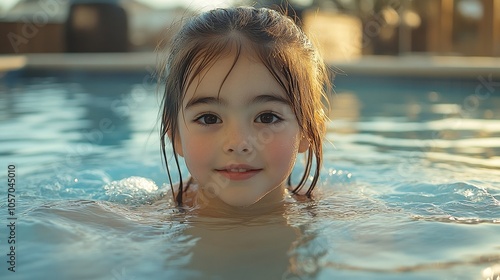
(238,140)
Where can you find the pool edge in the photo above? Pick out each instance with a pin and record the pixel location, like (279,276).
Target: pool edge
(12,62)
(411,65)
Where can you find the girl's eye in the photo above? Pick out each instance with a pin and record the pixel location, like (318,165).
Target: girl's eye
(268,118)
(207,119)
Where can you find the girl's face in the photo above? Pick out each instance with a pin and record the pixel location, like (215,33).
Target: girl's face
(237,133)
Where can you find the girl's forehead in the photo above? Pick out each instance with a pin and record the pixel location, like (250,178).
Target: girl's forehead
(208,57)
(233,45)
(219,66)
(241,74)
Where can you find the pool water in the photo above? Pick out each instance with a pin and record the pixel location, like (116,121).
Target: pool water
(410,187)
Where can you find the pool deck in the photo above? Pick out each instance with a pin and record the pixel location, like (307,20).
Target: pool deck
(411,65)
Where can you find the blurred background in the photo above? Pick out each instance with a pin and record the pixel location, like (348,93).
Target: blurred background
(344,29)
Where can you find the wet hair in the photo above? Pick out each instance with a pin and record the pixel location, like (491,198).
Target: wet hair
(278,43)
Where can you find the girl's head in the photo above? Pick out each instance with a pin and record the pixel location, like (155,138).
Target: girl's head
(250,84)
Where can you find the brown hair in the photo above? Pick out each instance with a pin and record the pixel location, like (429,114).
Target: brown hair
(280,45)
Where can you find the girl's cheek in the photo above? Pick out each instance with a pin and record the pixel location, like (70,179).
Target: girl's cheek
(197,148)
(282,148)
(197,157)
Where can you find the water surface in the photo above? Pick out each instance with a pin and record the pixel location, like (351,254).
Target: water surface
(409,189)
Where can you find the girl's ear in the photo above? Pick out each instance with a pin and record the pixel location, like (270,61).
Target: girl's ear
(177,143)
(304,144)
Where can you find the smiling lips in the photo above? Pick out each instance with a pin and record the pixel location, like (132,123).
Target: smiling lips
(238,172)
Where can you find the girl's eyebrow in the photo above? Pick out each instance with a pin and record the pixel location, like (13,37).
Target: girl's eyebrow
(263,98)
(204,100)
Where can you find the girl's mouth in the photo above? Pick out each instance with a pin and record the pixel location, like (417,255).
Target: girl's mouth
(238,172)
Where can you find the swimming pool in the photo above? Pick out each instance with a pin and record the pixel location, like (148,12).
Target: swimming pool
(410,188)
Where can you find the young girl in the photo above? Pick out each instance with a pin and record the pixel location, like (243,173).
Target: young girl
(244,94)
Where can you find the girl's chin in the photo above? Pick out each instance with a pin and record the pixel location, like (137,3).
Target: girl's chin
(235,199)
(240,201)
